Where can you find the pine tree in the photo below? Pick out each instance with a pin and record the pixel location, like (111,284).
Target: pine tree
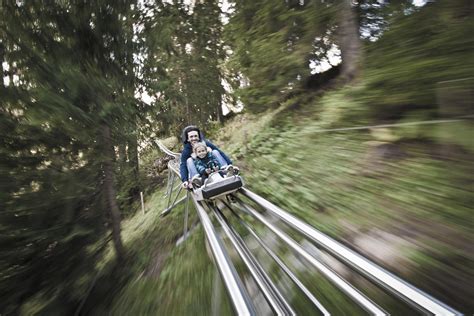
(70,82)
(187,39)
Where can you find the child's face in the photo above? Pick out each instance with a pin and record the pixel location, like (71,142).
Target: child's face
(201,151)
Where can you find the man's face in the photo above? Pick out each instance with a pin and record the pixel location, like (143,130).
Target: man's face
(193,137)
(201,152)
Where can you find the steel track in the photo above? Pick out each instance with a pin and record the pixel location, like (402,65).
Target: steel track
(253,214)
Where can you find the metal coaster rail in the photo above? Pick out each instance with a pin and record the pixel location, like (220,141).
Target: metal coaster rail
(238,293)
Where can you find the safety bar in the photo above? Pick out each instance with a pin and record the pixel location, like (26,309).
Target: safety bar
(400,288)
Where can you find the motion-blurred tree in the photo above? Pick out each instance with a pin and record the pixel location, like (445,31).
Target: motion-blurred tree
(274,42)
(421,48)
(185,38)
(204,78)
(349,41)
(68,103)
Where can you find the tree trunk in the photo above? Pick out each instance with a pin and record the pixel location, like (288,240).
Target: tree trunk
(134,165)
(110,192)
(349,41)
(122,153)
(2,59)
(220,114)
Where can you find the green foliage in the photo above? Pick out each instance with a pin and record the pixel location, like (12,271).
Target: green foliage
(404,66)
(75,67)
(189,76)
(70,73)
(272,43)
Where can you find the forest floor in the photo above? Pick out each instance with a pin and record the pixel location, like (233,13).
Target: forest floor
(402,196)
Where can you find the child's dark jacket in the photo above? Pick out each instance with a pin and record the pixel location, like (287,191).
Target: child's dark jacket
(208,162)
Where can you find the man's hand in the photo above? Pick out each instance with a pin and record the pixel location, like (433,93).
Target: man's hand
(208,170)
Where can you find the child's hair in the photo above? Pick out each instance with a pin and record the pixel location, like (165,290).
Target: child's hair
(198,145)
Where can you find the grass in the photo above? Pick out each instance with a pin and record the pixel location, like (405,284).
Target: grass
(161,278)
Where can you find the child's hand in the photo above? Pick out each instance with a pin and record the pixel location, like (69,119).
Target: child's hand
(208,170)
(216,168)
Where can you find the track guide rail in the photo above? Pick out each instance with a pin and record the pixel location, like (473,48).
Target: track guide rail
(276,300)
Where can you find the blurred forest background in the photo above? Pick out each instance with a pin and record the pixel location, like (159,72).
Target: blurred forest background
(89,86)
